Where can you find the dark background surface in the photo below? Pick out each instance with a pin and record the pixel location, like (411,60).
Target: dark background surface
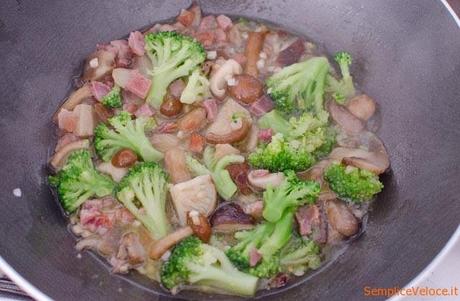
(406,57)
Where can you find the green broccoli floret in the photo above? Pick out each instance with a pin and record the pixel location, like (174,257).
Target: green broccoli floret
(143,191)
(343,89)
(78,181)
(295,127)
(126,133)
(197,88)
(329,140)
(248,240)
(173,55)
(311,132)
(282,154)
(300,86)
(352,183)
(305,124)
(267,239)
(113,98)
(299,255)
(291,193)
(220,176)
(194,262)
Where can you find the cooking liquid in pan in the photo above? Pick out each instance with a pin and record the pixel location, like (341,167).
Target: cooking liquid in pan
(327,224)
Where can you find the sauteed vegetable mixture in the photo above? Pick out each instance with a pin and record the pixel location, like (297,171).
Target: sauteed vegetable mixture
(216,154)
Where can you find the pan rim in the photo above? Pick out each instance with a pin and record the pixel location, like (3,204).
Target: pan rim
(452,12)
(37,294)
(24,284)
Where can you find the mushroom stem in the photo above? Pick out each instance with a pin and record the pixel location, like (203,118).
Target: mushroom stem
(218,81)
(164,244)
(253,48)
(59,158)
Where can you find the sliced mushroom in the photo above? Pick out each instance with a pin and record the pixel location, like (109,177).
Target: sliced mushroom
(224,121)
(117,173)
(254,209)
(239,174)
(292,53)
(171,106)
(347,121)
(196,194)
(326,194)
(341,218)
(98,65)
(230,217)
(167,242)
(333,237)
(362,106)
(262,178)
(363,164)
(364,140)
(375,161)
(307,217)
(102,112)
(109,242)
(237,135)
(223,150)
(76,98)
(247,88)
(218,80)
(315,173)
(131,249)
(124,158)
(58,160)
(200,225)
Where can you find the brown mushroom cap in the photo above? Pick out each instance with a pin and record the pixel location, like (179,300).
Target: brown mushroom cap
(234,136)
(341,218)
(230,217)
(347,121)
(364,150)
(362,106)
(246,89)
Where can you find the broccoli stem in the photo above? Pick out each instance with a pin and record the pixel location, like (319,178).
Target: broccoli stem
(276,201)
(196,167)
(224,184)
(220,176)
(276,122)
(279,237)
(234,282)
(318,101)
(157,91)
(149,154)
(225,277)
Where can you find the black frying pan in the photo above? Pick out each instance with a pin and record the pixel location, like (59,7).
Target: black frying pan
(406,56)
